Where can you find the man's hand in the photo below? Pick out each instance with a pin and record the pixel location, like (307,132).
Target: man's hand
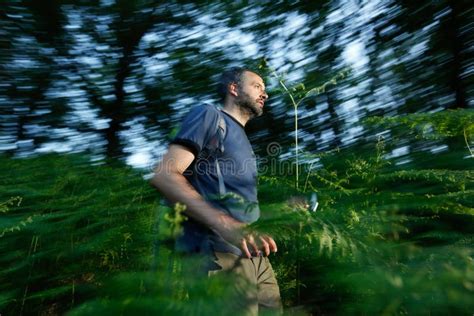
(259,243)
(251,243)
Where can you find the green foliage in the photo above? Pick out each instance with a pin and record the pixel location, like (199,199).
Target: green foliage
(100,243)
(5,207)
(76,225)
(430,125)
(384,240)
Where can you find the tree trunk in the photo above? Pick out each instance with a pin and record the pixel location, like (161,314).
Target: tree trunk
(457,48)
(115,110)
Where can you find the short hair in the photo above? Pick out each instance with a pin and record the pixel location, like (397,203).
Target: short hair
(233,75)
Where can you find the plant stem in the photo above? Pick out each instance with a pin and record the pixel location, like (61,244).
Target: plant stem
(467,144)
(322,88)
(307,177)
(296,146)
(295,106)
(298,265)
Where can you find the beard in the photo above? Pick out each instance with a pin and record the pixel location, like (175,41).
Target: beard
(248,105)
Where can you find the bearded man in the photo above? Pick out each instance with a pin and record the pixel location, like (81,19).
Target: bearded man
(219,187)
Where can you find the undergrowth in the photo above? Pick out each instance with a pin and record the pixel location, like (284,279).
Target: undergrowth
(387,238)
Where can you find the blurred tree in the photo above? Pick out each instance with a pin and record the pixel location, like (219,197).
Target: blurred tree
(427,48)
(30,32)
(109,67)
(117,31)
(98,75)
(427,45)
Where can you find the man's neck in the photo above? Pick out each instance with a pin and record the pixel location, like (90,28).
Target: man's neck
(241,115)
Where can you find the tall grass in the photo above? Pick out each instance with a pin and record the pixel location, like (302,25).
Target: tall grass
(387,239)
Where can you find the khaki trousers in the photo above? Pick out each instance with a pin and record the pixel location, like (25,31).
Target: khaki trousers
(260,288)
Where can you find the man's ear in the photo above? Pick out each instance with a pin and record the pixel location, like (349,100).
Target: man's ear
(233,89)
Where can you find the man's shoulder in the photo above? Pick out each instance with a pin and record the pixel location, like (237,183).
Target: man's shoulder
(205,110)
(198,127)
(208,115)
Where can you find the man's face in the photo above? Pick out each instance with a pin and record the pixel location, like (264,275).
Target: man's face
(251,93)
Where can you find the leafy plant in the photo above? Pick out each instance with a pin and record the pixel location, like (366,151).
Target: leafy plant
(297,95)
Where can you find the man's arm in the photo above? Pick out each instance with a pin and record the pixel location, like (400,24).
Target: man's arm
(170,181)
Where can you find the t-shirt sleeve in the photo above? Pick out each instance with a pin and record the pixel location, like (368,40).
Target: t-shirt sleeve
(197,128)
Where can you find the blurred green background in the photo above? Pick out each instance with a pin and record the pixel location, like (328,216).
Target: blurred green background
(91,92)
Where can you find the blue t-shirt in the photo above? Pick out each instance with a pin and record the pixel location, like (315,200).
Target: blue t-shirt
(238,167)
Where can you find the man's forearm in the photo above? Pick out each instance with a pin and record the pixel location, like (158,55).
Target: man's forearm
(176,188)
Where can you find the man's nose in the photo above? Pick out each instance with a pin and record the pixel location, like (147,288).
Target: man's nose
(264,95)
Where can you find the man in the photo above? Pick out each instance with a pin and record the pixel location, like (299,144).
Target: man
(219,189)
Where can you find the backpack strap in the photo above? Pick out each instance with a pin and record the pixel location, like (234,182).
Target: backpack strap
(221,131)
(215,147)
